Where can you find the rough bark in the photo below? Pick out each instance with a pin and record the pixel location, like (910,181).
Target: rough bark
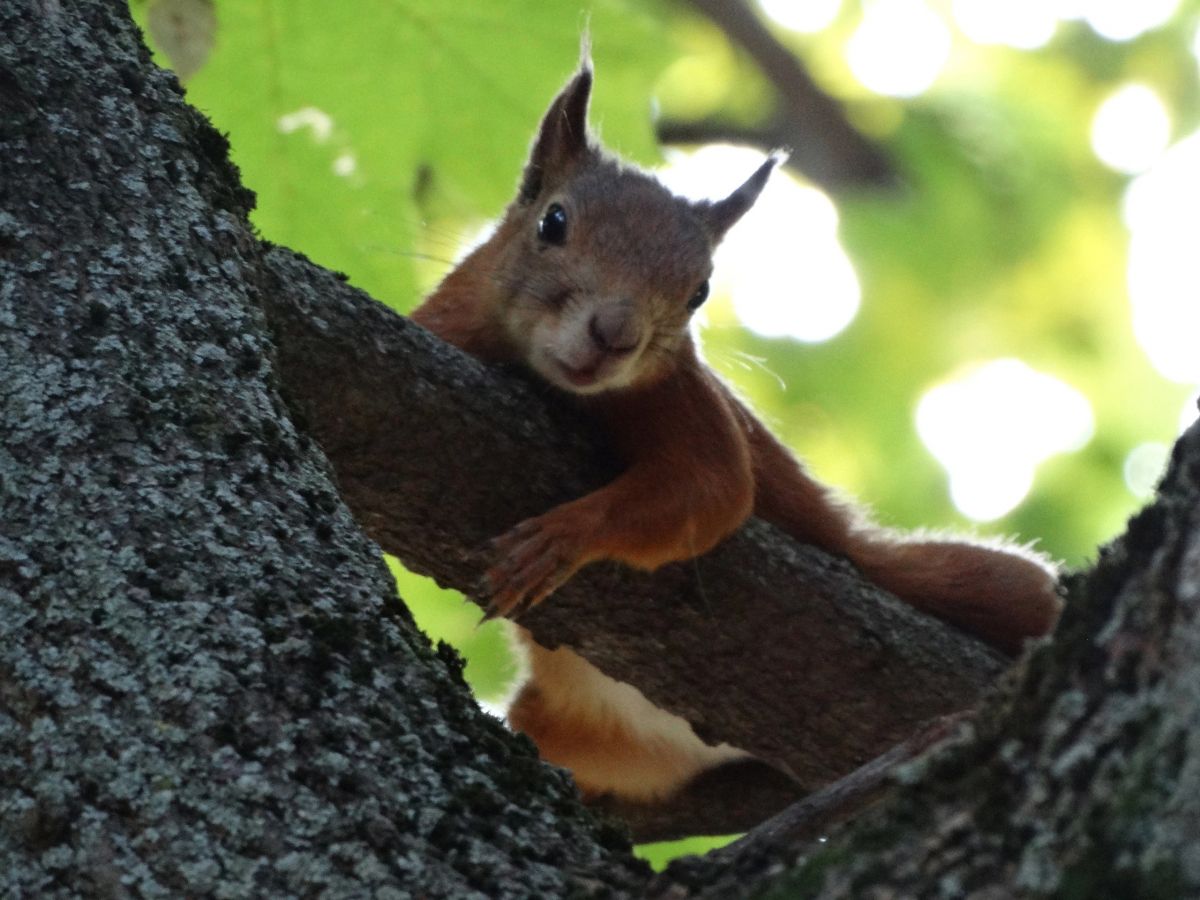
(205,688)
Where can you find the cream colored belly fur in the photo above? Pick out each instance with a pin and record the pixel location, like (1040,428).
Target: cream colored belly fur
(611,738)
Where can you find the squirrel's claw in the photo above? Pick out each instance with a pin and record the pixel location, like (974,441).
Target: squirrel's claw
(534,559)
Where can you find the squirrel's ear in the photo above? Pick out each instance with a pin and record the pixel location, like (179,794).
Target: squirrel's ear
(720,216)
(562,141)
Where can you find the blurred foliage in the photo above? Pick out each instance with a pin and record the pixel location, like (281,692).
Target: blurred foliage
(380,135)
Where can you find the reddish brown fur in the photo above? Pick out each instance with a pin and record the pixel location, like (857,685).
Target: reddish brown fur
(998,592)
(697,460)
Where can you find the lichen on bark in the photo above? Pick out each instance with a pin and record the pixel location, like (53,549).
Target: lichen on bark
(207,686)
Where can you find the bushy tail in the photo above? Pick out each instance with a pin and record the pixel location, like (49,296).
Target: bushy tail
(1001,592)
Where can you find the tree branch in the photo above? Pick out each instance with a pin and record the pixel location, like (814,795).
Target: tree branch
(824,146)
(818,813)
(735,796)
(764,643)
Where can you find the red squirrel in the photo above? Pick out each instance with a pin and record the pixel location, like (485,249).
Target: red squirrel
(590,281)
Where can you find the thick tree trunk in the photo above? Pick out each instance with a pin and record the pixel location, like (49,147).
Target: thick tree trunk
(206,688)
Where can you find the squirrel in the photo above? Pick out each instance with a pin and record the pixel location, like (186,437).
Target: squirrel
(589,281)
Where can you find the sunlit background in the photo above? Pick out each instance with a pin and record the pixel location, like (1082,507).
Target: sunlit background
(1002,342)
(989,423)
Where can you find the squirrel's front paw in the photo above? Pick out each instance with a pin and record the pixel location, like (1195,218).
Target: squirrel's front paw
(534,558)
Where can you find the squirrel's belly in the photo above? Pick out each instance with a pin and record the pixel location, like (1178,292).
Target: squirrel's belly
(605,732)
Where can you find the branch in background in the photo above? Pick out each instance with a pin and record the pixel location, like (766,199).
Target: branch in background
(825,147)
(767,644)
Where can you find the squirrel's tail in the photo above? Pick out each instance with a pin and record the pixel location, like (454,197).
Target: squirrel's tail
(1000,592)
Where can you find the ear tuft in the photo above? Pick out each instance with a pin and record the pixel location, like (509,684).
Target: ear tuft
(721,215)
(585,50)
(562,140)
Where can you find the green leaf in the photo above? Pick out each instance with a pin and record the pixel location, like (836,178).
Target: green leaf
(359,124)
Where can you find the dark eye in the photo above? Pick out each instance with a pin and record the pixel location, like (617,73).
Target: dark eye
(700,296)
(553,227)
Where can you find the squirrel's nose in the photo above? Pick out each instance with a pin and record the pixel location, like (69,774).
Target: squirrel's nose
(614,332)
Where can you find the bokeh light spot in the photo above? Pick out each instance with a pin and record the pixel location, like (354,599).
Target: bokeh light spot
(1131,129)
(345,164)
(806,16)
(1144,466)
(1122,20)
(782,264)
(1025,24)
(899,48)
(318,122)
(991,427)
(1190,412)
(1162,211)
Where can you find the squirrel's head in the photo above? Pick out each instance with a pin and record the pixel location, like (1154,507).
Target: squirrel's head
(600,267)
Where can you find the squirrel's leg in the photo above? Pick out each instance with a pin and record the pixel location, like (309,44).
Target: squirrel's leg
(688,485)
(606,733)
(1001,593)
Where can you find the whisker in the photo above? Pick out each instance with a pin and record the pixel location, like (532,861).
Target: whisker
(747,362)
(760,363)
(408,254)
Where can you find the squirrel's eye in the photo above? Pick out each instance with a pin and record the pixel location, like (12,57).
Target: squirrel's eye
(553,227)
(700,296)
